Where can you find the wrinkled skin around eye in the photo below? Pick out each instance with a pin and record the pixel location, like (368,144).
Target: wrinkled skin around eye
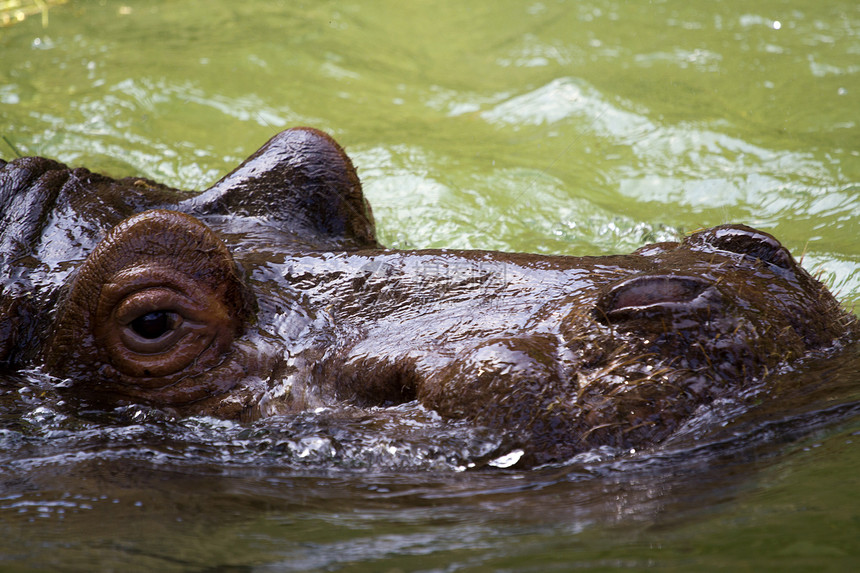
(189,319)
(153,312)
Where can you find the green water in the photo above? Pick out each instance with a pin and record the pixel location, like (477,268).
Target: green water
(554,127)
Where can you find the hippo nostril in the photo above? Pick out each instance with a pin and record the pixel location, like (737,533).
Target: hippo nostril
(745,241)
(643,294)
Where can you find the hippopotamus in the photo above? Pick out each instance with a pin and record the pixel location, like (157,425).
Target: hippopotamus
(269,293)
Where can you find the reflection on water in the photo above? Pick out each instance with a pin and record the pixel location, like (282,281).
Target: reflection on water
(547,126)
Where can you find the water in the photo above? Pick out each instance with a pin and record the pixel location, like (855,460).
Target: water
(552,127)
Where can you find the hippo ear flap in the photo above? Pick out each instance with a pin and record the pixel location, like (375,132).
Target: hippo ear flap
(301,181)
(29,189)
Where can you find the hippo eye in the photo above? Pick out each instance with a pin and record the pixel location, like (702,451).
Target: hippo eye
(153,312)
(155,324)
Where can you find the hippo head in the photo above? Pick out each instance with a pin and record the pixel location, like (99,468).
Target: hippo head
(268,293)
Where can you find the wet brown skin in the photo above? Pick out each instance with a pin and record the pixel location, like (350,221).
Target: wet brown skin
(268,293)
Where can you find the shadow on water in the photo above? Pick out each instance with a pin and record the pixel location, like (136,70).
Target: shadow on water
(393,489)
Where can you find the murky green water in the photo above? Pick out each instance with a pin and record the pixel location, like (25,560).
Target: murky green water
(555,127)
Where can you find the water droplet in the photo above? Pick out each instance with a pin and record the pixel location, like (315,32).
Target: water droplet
(507,460)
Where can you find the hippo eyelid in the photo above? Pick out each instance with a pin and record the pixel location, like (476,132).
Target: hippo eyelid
(641,294)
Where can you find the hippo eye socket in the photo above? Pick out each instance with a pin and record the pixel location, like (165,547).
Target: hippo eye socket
(153,312)
(154,325)
(155,322)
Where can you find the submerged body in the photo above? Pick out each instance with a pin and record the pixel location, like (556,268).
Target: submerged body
(268,293)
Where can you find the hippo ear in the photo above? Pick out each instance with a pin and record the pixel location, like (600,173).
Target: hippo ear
(29,188)
(302,181)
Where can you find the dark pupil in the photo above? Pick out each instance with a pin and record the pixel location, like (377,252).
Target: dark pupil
(152,325)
